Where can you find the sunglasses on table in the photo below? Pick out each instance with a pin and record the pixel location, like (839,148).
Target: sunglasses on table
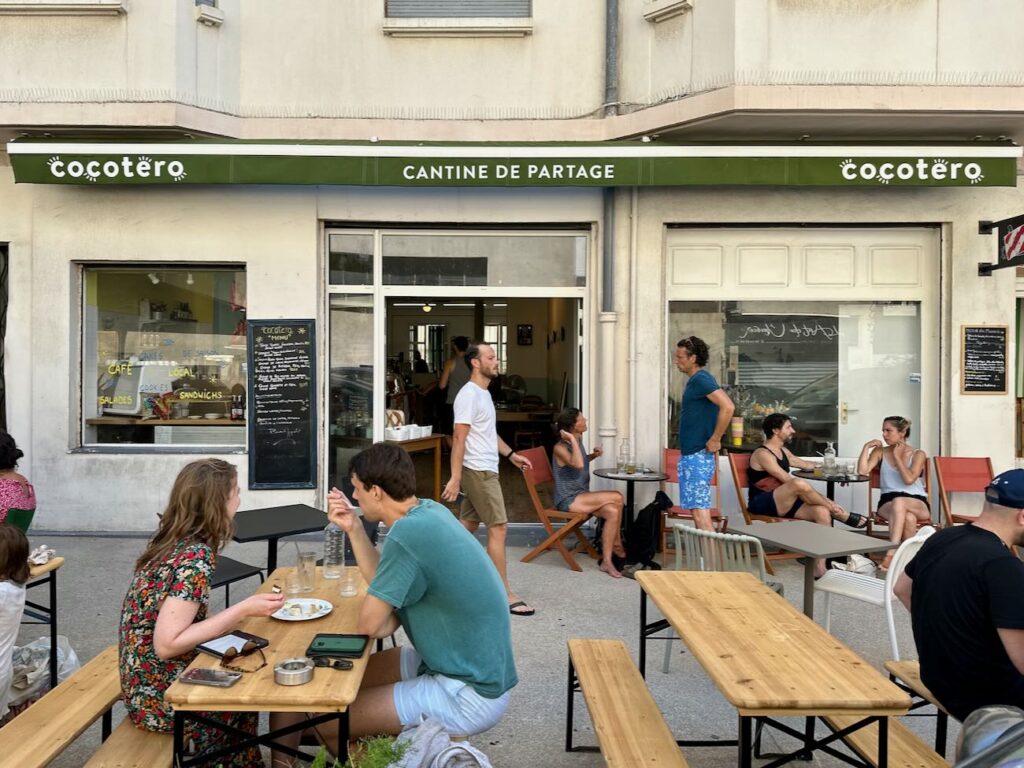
(229,656)
(332,662)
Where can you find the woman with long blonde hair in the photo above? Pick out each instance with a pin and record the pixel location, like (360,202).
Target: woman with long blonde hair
(164,614)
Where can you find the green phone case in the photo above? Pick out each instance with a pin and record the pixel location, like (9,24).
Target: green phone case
(343,646)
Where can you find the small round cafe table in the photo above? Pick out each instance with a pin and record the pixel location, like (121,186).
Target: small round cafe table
(629,479)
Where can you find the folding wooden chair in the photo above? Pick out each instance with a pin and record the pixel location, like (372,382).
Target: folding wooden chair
(960,474)
(670,466)
(538,475)
(739,463)
(874,521)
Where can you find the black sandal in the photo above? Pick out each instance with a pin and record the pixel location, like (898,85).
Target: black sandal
(855,520)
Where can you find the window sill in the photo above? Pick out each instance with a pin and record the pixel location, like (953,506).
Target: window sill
(67,8)
(209,15)
(129,449)
(662,10)
(473,27)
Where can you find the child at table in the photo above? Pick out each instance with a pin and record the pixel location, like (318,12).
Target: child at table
(163,617)
(13,575)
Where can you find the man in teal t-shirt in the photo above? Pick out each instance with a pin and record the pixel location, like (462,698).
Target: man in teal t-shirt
(703,419)
(437,582)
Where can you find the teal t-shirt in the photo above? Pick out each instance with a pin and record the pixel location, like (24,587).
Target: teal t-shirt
(449,598)
(699,415)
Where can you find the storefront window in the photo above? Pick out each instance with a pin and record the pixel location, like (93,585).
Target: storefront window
(164,356)
(837,368)
(351,380)
(350,259)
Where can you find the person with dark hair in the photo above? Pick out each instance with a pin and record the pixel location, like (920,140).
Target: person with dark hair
(454,376)
(419,365)
(163,617)
(963,591)
(14,572)
(16,492)
(476,448)
(776,493)
(433,580)
(570,466)
(703,419)
(904,500)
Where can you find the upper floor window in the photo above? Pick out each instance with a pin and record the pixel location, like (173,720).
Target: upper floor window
(398,9)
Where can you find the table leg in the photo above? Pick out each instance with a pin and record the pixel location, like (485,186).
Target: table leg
(643,634)
(629,512)
(179,737)
(809,587)
(437,470)
(343,737)
(746,742)
(883,742)
(53,629)
(271,556)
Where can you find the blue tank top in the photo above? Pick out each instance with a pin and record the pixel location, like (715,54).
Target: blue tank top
(569,481)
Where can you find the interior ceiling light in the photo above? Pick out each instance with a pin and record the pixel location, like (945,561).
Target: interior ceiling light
(153,278)
(427,307)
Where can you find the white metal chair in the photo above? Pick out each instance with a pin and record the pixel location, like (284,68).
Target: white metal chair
(871,589)
(713,551)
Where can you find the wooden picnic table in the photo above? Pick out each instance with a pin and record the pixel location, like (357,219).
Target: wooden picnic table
(767,659)
(328,693)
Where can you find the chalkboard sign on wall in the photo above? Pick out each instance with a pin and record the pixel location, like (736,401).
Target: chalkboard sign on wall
(282,404)
(983,359)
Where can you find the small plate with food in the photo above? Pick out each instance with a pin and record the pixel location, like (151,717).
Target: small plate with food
(302,609)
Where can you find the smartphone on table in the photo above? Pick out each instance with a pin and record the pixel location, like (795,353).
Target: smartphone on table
(220,678)
(343,646)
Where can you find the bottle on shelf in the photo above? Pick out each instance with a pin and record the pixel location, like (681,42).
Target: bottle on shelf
(334,551)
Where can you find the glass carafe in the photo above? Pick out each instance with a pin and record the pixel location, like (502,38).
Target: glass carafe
(624,455)
(829,459)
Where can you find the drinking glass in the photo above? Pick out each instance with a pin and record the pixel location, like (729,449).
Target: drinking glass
(307,571)
(348,585)
(293,582)
(631,466)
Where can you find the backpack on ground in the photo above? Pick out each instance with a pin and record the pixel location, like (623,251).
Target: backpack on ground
(641,540)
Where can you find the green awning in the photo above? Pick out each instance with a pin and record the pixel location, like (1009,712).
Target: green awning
(611,164)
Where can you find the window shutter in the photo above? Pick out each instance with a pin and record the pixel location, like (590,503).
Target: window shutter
(446,9)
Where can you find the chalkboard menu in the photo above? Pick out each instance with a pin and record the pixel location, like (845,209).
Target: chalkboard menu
(983,360)
(282,404)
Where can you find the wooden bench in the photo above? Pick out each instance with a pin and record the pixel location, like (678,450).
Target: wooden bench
(905,749)
(907,675)
(44,730)
(131,747)
(629,726)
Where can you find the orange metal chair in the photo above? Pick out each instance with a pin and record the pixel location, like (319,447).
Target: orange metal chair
(538,475)
(670,466)
(739,463)
(874,521)
(960,474)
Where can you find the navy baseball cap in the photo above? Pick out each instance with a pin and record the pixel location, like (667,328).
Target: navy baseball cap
(1007,489)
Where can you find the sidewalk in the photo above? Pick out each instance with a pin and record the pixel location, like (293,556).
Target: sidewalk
(569,604)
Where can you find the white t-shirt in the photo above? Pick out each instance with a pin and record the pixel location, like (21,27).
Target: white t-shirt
(12,604)
(473,406)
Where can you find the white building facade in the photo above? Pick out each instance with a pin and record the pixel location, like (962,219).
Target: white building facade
(799,183)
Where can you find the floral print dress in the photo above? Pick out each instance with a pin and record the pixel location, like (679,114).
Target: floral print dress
(186,575)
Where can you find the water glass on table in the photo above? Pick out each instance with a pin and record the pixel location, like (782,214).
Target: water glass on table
(306,569)
(348,585)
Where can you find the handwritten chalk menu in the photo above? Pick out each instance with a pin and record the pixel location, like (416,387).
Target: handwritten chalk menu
(983,359)
(282,404)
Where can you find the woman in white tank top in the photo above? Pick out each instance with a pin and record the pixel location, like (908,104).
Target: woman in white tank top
(904,500)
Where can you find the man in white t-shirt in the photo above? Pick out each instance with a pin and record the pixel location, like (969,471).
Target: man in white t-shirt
(476,449)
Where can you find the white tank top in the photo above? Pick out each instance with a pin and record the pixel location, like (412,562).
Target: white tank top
(891,482)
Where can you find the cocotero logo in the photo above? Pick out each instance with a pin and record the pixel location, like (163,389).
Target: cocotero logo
(910,170)
(122,168)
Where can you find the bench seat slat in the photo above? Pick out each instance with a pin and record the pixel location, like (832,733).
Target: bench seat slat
(131,747)
(905,749)
(909,672)
(44,730)
(629,726)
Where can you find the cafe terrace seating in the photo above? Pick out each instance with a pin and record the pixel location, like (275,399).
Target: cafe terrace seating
(960,474)
(874,521)
(739,463)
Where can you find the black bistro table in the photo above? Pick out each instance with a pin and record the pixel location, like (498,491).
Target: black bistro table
(830,480)
(629,479)
(274,523)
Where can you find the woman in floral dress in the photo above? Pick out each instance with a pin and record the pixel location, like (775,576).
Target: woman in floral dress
(164,615)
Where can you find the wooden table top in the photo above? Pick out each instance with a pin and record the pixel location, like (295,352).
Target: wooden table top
(330,690)
(53,564)
(812,539)
(419,443)
(764,655)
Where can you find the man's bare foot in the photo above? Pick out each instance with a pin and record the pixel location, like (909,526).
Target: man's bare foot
(610,569)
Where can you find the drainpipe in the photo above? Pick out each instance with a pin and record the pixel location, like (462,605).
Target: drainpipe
(611,58)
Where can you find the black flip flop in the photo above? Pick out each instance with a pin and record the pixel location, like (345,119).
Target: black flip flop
(856,520)
(520,604)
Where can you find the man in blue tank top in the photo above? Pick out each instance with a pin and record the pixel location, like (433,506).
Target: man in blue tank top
(706,411)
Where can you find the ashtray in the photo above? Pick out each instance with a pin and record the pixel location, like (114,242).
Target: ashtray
(293,672)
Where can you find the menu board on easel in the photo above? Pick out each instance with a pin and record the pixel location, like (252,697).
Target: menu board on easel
(983,359)
(282,404)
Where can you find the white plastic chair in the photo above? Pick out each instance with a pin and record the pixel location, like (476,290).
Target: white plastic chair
(871,589)
(713,551)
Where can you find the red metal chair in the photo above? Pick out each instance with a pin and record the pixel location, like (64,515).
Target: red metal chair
(739,463)
(670,466)
(874,521)
(960,474)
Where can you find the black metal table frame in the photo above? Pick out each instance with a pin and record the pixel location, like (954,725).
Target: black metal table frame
(247,740)
(629,513)
(830,481)
(746,741)
(46,614)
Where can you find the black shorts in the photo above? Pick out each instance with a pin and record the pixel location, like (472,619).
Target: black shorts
(764,504)
(885,498)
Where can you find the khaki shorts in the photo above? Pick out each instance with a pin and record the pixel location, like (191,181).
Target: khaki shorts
(484,502)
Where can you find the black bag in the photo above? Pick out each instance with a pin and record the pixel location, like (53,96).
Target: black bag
(641,540)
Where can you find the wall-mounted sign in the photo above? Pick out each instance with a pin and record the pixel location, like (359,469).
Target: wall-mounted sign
(282,404)
(983,359)
(609,164)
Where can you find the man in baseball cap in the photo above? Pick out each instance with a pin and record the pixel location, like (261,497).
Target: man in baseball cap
(965,594)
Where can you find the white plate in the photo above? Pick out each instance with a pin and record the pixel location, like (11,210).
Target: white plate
(305,604)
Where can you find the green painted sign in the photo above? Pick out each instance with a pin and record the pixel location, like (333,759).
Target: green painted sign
(608,165)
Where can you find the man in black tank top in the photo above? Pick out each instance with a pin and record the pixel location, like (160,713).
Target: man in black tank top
(776,493)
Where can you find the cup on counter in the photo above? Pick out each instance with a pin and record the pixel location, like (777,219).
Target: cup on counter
(348,584)
(306,570)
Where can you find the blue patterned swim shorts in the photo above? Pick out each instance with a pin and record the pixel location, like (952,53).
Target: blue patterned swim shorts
(695,473)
